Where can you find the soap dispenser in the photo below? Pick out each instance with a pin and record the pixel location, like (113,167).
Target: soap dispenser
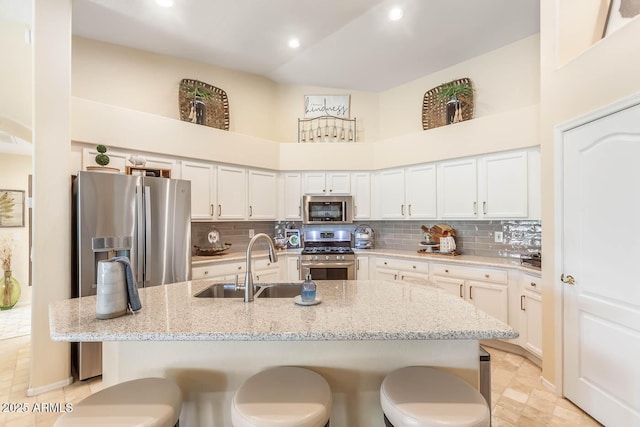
(308,292)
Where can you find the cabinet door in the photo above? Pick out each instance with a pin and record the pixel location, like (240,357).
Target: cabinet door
(502,186)
(293,196)
(457,189)
(314,183)
(413,277)
(391,194)
(490,298)
(384,274)
(338,182)
(362,267)
(267,276)
(232,199)
(262,195)
(202,177)
(293,268)
(420,192)
(452,286)
(361,195)
(531,306)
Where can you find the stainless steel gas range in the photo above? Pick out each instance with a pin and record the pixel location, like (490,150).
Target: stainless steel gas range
(327,255)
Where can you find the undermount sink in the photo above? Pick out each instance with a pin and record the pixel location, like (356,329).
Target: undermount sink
(265,290)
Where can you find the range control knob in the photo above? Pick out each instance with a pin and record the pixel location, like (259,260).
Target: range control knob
(327,257)
(315,257)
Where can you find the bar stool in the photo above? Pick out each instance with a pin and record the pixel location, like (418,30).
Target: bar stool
(148,402)
(284,396)
(420,396)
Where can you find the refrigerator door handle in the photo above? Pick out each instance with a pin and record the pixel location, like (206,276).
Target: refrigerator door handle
(138,262)
(147,233)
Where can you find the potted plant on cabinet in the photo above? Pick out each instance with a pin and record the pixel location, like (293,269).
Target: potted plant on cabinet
(199,96)
(451,93)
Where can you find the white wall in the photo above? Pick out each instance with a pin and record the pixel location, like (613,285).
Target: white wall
(15,176)
(600,75)
(504,79)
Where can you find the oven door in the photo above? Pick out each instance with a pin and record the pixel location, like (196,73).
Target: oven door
(335,270)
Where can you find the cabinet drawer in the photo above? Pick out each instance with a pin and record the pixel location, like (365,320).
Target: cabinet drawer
(481,273)
(211,270)
(403,265)
(532,283)
(264,264)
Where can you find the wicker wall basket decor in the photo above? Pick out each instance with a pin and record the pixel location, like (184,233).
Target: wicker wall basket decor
(216,108)
(434,109)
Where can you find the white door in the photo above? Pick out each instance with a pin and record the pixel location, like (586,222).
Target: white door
(391,194)
(202,177)
(263,195)
(361,185)
(232,195)
(420,190)
(601,201)
(502,185)
(491,298)
(338,182)
(458,189)
(293,196)
(314,183)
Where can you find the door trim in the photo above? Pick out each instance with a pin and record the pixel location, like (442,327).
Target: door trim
(558,185)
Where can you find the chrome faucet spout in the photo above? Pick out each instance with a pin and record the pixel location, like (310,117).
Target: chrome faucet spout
(249,291)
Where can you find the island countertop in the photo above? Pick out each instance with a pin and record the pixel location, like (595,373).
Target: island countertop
(350,310)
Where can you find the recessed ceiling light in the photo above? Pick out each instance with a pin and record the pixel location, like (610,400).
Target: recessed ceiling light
(294,43)
(164,3)
(396,14)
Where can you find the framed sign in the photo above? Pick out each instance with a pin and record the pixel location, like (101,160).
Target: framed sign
(11,208)
(327,105)
(620,12)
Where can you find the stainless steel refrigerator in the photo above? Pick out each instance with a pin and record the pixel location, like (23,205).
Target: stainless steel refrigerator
(147,219)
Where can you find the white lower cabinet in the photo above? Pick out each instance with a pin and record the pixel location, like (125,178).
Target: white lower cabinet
(220,271)
(485,288)
(399,269)
(531,314)
(362,267)
(293,268)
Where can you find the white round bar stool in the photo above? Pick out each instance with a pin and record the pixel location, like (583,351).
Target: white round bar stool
(145,402)
(420,396)
(284,396)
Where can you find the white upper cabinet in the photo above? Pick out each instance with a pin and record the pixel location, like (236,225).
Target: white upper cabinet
(292,196)
(327,183)
(391,194)
(202,177)
(503,184)
(457,189)
(361,191)
(420,192)
(232,194)
(263,195)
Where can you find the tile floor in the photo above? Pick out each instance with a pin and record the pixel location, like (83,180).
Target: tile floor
(518,398)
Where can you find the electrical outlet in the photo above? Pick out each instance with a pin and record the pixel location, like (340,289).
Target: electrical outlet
(252,232)
(498,237)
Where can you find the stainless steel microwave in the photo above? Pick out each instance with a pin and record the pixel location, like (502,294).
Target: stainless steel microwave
(328,209)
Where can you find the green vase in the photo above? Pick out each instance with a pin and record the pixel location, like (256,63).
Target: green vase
(9,291)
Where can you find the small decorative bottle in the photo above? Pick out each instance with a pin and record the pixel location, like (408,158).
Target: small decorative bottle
(308,293)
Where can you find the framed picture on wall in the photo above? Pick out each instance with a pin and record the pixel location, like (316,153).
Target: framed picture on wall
(11,208)
(620,13)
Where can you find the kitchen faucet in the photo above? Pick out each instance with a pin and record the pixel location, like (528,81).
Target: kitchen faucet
(248,279)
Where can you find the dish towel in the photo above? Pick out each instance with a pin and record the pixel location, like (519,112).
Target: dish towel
(132,286)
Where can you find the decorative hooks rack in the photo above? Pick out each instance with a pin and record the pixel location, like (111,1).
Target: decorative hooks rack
(327,129)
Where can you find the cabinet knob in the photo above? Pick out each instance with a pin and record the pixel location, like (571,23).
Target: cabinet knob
(446,271)
(330,190)
(239,268)
(533,284)
(486,275)
(414,267)
(385,263)
(206,272)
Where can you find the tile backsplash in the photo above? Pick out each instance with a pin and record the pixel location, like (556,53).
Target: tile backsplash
(472,237)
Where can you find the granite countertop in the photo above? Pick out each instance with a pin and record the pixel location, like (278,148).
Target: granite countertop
(350,310)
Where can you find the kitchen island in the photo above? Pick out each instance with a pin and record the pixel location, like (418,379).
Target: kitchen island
(361,331)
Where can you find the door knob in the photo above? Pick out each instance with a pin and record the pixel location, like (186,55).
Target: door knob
(568,279)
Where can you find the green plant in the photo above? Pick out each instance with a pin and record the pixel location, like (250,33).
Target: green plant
(199,92)
(451,90)
(102,159)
